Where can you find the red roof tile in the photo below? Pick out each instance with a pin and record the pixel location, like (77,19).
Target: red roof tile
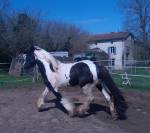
(110,36)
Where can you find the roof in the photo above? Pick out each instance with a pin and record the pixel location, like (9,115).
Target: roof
(113,36)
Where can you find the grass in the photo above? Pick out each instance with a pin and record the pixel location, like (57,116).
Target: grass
(7,80)
(138,83)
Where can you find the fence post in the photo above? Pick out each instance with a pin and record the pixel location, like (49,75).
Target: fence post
(35,74)
(135,67)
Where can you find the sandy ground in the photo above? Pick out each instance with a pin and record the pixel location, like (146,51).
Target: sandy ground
(19,114)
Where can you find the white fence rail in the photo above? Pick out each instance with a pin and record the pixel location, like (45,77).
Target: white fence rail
(132,75)
(137,69)
(4,66)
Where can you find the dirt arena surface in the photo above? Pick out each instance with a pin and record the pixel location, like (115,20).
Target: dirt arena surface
(19,114)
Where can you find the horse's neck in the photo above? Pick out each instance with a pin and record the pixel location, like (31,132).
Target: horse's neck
(55,63)
(44,67)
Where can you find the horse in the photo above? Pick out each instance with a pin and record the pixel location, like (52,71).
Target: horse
(86,74)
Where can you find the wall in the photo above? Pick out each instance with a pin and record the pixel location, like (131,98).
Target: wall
(128,45)
(119,51)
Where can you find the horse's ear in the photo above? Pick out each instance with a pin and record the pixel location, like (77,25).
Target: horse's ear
(36,47)
(33,47)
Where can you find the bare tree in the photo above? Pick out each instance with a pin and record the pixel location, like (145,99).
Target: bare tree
(4,13)
(4,5)
(137,17)
(60,36)
(137,21)
(20,30)
(78,39)
(23,32)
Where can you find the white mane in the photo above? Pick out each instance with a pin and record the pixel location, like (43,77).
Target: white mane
(43,55)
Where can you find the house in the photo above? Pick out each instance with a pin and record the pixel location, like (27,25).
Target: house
(91,54)
(118,45)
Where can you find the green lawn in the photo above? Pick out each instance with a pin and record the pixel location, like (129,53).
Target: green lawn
(7,80)
(139,83)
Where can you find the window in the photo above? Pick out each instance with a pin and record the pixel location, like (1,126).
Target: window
(127,56)
(112,62)
(112,50)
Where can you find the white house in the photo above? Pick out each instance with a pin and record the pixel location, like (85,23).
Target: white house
(118,45)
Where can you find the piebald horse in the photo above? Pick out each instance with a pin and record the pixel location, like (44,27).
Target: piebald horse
(86,74)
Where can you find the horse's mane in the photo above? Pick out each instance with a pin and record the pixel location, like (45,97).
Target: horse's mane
(51,59)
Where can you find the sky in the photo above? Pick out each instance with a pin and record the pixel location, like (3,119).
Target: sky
(94,16)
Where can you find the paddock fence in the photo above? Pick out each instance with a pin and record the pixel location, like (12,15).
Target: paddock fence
(4,67)
(138,73)
(7,80)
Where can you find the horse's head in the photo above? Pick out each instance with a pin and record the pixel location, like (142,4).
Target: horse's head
(31,57)
(37,54)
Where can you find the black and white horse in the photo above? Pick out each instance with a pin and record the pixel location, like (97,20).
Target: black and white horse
(86,74)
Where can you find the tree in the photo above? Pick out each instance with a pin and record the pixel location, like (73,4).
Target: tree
(137,21)
(23,33)
(137,17)
(4,13)
(59,36)
(18,31)
(78,39)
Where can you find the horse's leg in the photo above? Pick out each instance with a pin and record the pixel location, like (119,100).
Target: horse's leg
(87,90)
(69,106)
(66,103)
(41,100)
(109,99)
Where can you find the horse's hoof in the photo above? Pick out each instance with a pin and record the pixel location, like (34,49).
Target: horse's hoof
(80,111)
(40,109)
(72,114)
(43,108)
(114,116)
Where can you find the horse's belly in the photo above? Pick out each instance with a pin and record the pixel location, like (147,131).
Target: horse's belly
(63,81)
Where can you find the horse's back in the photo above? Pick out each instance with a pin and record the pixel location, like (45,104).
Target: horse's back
(92,68)
(82,73)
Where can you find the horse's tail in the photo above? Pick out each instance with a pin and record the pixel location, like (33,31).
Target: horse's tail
(119,101)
